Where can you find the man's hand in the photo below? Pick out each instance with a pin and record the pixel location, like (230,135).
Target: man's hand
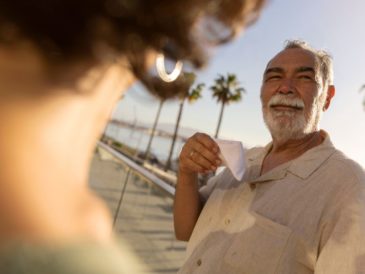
(199,155)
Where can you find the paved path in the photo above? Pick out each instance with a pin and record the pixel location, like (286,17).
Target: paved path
(145,216)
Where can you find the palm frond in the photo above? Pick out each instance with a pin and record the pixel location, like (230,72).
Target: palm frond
(195,93)
(227,89)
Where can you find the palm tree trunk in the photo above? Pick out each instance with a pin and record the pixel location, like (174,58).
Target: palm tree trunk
(146,154)
(168,162)
(220,120)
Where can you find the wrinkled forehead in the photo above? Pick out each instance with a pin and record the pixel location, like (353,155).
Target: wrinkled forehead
(293,58)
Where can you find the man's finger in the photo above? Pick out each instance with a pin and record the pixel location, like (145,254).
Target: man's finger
(207,141)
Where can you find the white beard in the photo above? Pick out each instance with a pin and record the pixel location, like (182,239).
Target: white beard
(291,125)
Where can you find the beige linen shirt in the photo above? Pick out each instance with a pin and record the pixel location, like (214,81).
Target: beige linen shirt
(304,216)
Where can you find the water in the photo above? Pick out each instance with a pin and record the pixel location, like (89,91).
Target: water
(138,140)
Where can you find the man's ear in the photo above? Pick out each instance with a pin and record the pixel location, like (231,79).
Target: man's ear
(330,93)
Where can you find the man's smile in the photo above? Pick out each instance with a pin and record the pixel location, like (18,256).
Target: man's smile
(285,107)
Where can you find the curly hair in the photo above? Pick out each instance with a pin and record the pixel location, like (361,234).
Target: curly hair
(71,30)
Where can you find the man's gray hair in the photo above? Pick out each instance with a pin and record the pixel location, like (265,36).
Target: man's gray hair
(324,60)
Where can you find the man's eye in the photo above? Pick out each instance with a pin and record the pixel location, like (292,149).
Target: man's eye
(306,77)
(273,77)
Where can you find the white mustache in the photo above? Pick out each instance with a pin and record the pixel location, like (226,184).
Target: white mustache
(285,101)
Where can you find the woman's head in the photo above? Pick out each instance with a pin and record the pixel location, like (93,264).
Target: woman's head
(68,31)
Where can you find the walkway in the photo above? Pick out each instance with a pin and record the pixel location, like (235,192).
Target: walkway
(145,216)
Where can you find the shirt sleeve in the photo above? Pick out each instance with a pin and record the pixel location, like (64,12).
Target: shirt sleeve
(343,249)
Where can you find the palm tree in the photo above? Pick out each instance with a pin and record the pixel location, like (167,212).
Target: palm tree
(191,95)
(147,152)
(226,90)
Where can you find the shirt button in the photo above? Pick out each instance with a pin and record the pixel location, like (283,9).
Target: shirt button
(199,262)
(227,221)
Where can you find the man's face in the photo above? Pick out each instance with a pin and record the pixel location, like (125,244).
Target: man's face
(292,95)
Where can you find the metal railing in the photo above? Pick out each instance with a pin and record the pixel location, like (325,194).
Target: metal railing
(141,204)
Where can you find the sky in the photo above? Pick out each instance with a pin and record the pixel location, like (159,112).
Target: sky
(334,25)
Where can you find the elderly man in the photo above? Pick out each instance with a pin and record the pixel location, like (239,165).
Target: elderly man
(300,207)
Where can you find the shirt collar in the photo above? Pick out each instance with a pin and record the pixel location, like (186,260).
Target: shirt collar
(311,160)
(302,167)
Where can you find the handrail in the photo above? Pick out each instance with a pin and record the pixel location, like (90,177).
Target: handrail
(167,188)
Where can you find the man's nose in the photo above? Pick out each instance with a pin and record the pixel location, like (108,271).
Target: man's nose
(286,86)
